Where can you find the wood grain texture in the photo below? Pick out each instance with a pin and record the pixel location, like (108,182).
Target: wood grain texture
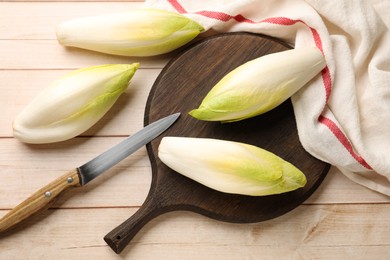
(26,25)
(48,54)
(309,232)
(40,200)
(180,87)
(341,220)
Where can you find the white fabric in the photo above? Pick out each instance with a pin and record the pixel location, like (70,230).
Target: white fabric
(343,115)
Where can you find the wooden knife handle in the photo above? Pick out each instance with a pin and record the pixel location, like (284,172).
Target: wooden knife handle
(40,200)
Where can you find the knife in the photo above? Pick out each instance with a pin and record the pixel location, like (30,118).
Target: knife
(87,172)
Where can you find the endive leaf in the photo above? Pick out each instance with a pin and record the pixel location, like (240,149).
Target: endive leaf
(230,167)
(260,85)
(144,32)
(73,103)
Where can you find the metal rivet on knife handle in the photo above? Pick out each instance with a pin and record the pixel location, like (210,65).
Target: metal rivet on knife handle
(37,202)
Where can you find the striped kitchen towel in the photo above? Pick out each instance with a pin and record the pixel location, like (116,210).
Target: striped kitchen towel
(343,115)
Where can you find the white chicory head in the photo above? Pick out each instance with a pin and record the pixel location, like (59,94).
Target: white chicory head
(230,167)
(260,85)
(73,103)
(144,32)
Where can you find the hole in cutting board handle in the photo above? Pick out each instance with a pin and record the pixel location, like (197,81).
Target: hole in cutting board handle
(121,236)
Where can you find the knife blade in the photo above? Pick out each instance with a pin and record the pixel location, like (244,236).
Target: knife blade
(80,176)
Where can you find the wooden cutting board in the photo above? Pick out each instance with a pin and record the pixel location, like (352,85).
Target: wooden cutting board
(181,87)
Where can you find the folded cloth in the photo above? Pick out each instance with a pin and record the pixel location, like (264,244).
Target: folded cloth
(343,115)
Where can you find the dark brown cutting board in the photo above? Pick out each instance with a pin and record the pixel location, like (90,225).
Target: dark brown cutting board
(180,87)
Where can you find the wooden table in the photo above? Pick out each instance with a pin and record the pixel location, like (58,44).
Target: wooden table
(341,220)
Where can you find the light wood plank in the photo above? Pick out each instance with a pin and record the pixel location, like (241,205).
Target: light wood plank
(48,54)
(38,20)
(66,1)
(124,118)
(337,188)
(342,220)
(309,232)
(26,168)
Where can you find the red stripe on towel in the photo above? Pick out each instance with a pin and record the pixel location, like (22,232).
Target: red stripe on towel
(343,139)
(179,8)
(325,73)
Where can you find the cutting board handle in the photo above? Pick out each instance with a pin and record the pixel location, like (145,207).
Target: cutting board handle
(181,88)
(120,237)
